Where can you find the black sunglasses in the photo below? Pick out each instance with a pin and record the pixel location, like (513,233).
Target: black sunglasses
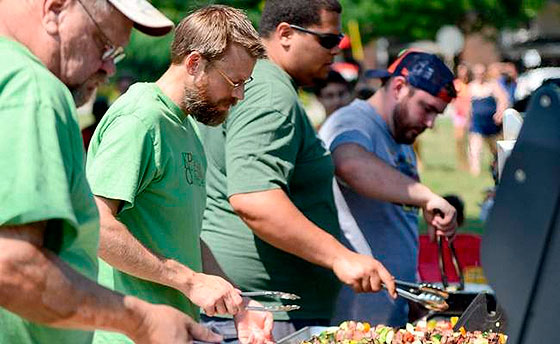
(327,40)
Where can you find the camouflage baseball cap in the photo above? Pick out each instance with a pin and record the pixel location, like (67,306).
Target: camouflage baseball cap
(146,17)
(422,70)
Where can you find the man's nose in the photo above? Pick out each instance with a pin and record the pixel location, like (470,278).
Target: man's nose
(239,92)
(430,121)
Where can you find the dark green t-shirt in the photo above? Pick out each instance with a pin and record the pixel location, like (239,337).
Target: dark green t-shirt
(42,177)
(268,143)
(147,153)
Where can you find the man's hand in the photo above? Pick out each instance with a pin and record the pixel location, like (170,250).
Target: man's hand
(363,273)
(254,327)
(441,217)
(213,294)
(166,325)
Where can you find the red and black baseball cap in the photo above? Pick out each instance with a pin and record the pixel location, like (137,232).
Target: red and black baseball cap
(422,70)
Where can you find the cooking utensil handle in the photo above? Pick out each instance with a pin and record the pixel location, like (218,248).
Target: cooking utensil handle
(457,265)
(417,288)
(278,294)
(441,262)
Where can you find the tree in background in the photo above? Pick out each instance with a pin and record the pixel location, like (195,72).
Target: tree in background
(406,20)
(411,20)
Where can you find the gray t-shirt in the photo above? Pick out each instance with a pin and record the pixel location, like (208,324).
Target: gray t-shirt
(385,230)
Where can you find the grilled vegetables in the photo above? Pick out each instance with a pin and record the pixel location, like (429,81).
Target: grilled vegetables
(431,332)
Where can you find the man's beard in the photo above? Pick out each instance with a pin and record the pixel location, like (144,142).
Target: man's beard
(197,103)
(403,131)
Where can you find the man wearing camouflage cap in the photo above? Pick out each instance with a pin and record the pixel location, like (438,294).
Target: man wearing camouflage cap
(377,188)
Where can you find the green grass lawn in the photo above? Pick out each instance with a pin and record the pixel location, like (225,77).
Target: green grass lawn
(441,174)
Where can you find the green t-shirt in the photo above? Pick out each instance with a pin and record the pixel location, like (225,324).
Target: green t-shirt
(42,176)
(268,143)
(147,153)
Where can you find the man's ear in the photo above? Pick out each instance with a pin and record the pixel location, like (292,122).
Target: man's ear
(399,87)
(51,13)
(194,63)
(284,34)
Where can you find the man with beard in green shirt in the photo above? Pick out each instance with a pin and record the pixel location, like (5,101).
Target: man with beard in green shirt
(147,169)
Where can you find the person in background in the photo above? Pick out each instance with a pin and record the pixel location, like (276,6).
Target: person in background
(49,224)
(270,218)
(147,169)
(377,188)
(488,102)
(334,92)
(100,106)
(508,80)
(461,115)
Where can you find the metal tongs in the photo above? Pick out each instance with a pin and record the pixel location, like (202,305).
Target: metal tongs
(429,296)
(272,294)
(454,260)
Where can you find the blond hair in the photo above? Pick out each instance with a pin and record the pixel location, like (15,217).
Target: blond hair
(210,31)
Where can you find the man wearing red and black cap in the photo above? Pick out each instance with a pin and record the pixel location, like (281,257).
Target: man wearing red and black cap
(377,189)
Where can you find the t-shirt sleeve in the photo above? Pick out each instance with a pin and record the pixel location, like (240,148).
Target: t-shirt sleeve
(121,160)
(37,148)
(344,129)
(260,150)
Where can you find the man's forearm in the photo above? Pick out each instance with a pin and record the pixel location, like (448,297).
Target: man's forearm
(285,227)
(120,249)
(37,285)
(371,177)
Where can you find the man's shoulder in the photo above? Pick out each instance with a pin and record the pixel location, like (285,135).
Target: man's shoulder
(271,90)
(357,115)
(139,104)
(24,80)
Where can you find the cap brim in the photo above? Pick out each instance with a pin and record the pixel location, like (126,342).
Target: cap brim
(146,17)
(377,74)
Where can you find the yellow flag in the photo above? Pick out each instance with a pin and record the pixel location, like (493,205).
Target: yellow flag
(355,39)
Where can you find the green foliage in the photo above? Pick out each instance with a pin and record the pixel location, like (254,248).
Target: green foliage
(146,57)
(406,20)
(410,20)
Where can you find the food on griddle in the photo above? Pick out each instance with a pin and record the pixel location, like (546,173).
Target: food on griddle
(431,332)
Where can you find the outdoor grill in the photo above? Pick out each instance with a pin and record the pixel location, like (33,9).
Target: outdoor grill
(521,247)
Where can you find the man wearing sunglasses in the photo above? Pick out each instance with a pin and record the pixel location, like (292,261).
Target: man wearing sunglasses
(49,225)
(270,218)
(147,169)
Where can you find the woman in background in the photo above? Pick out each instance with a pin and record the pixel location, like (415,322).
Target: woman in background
(461,114)
(488,101)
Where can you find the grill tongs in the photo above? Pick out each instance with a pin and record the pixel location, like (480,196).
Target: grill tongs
(427,295)
(272,294)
